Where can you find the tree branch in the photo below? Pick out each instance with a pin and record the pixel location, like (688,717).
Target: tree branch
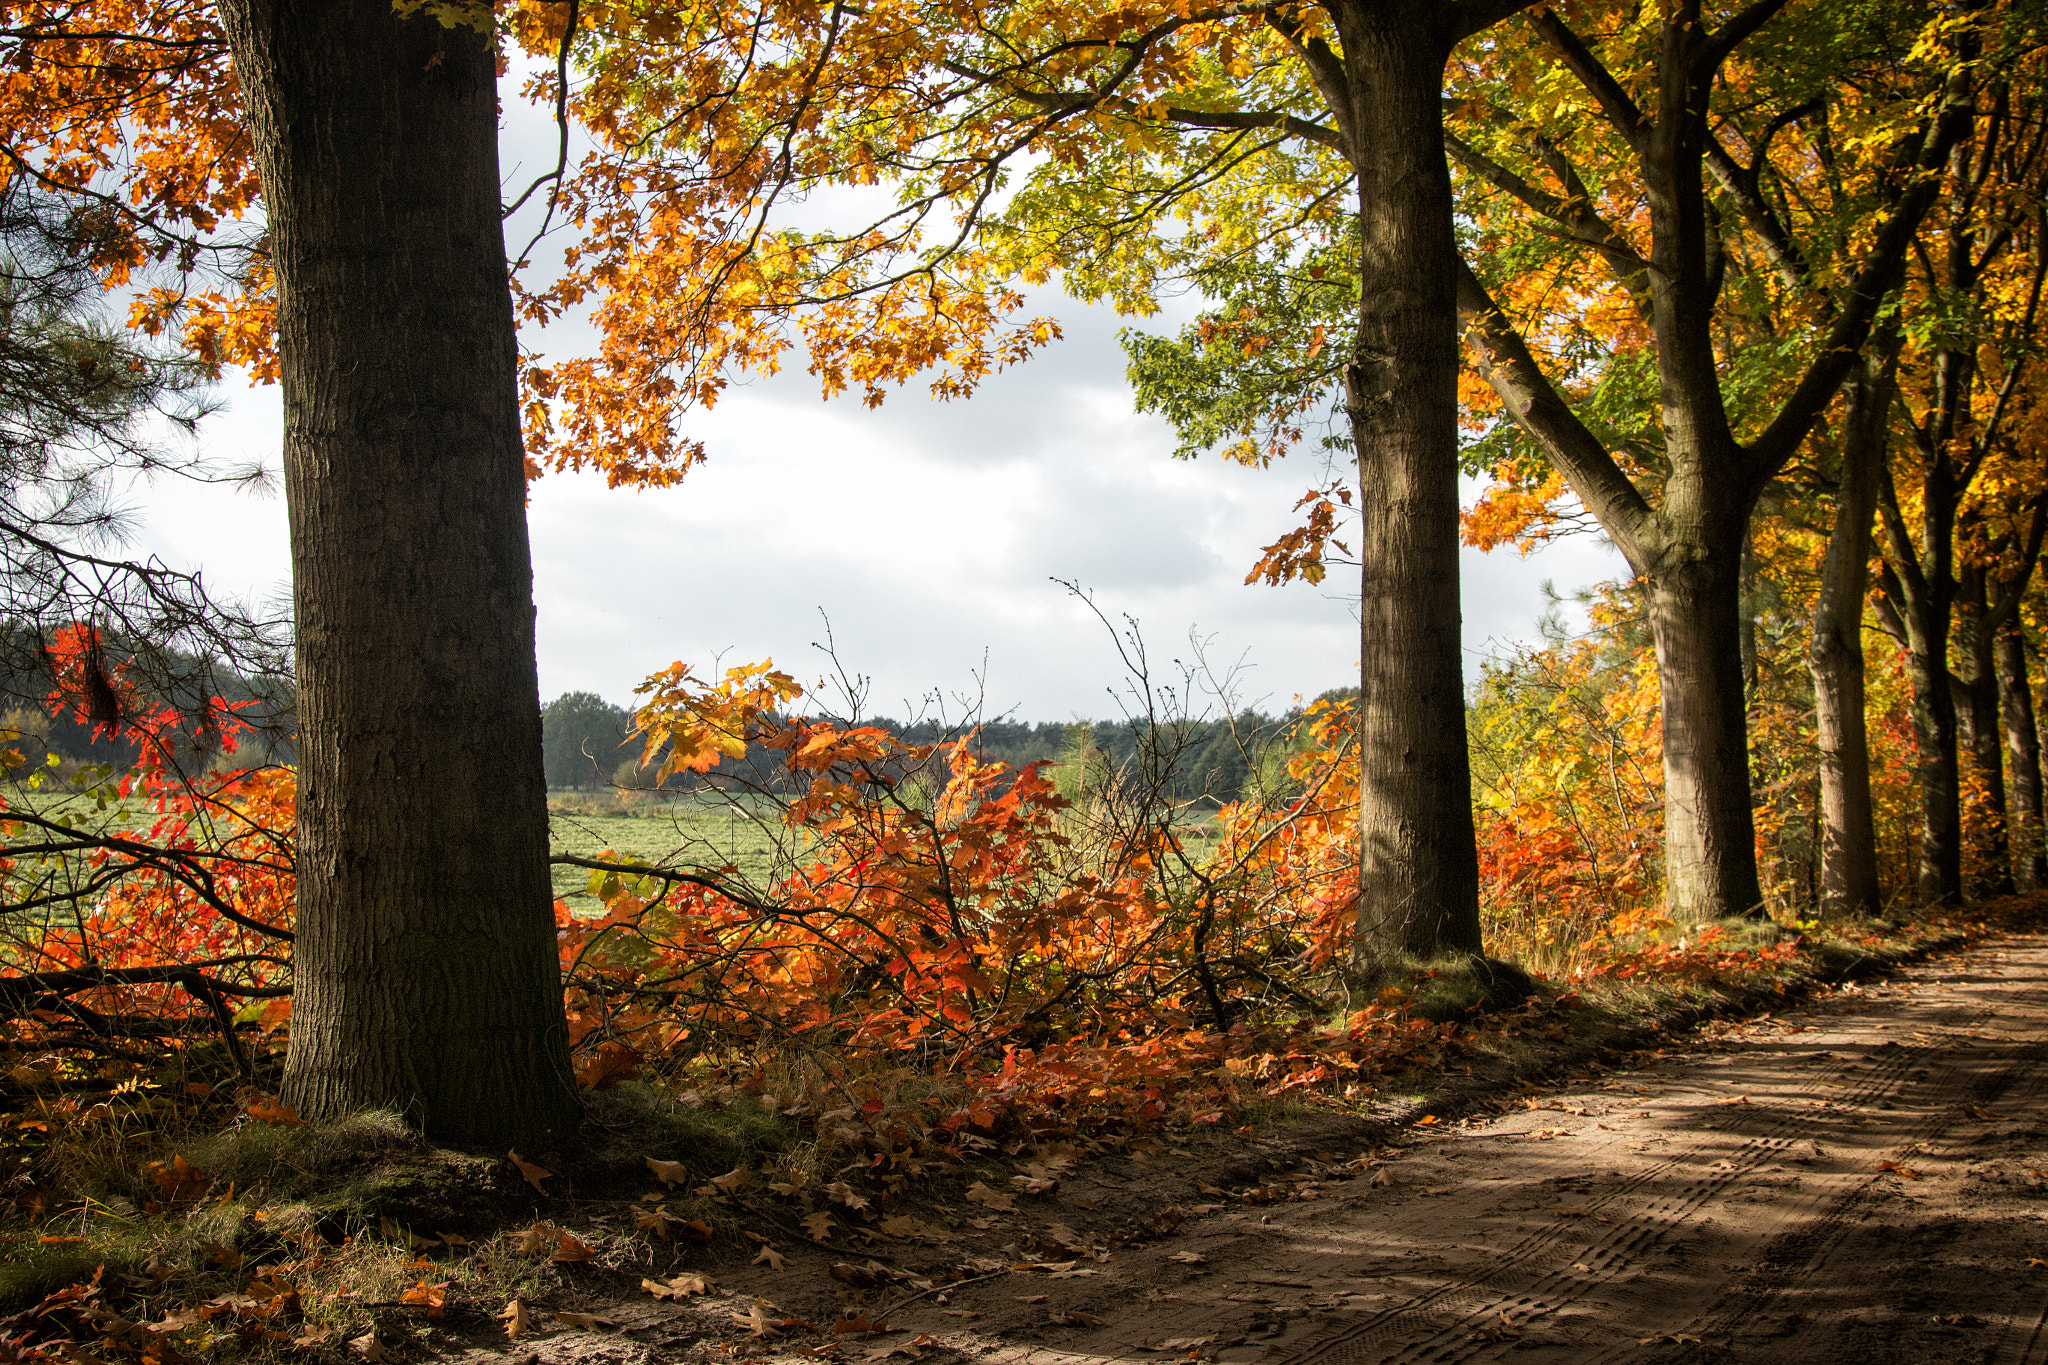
(1503,359)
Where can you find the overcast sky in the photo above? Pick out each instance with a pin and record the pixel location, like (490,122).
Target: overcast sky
(927,533)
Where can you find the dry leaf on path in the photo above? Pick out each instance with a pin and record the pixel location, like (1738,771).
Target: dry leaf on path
(677,1287)
(1667,1339)
(514,1318)
(568,1250)
(1189,1258)
(533,1174)
(733,1179)
(369,1348)
(589,1322)
(1739,1099)
(847,1195)
(979,1193)
(755,1320)
(860,1324)
(668,1172)
(1895,1168)
(819,1225)
(769,1257)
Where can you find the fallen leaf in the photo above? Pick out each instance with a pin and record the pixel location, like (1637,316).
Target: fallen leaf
(533,1174)
(677,1287)
(1572,1213)
(668,1172)
(1189,1258)
(983,1224)
(568,1250)
(453,1239)
(271,1110)
(1071,1318)
(732,1180)
(514,1318)
(1896,1169)
(1739,1099)
(535,1241)
(770,1257)
(369,1348)
(861,1325)
(819,1225)
(869,1276)
(589,1322)
(428,1296)
(755,1320)
(847,1195)
(979,1193)
(657,1220)
(900,1225)
(1667,1339)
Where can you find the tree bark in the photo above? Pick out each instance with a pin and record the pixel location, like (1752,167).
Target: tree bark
(2023,754)
(1978,731)
(1709,830)
(1418,866)
(1834,656)
(426,976)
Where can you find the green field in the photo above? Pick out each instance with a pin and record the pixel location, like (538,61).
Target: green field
(675,830)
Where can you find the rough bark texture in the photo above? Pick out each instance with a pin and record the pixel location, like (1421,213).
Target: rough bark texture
(1834,656)
(1979,733)
(1419,872)
(1709,835)
(2023,756)
(1920,615)
(425,963)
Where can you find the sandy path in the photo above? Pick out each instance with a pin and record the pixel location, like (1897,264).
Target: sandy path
(1723,1202)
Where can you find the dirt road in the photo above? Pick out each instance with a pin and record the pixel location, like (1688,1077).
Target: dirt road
(1729,1203)
(1861,1179)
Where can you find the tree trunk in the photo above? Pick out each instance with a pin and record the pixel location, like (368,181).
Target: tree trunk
(1709,829)
(1979,733)
(1418,867)
(1933,707)
(1848,845)
(2023,753)
(425,966)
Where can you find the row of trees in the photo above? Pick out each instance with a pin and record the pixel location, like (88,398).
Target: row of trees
(1667,237)
(586,744)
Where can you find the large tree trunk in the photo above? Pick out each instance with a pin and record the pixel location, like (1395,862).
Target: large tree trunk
(1709,829)
(2023,754)
(1419,871)
(1834,656)
(425,966)
(1979,733)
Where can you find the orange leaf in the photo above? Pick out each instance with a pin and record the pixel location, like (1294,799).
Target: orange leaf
(533,1174)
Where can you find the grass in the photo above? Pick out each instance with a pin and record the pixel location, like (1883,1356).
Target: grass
(682,827)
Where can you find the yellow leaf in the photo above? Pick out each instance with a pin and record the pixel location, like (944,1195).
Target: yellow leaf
(514,1318)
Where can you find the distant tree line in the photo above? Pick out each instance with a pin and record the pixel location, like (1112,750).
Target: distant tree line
(1208,761)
